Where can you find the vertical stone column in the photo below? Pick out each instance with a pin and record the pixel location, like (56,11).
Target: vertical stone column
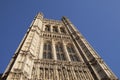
(66,52)
(51,28)
(41,49)
(54,50)
(43,73)
(55,73)
(73,73)
(59,29)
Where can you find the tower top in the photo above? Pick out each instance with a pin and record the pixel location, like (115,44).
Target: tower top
(55,49)
(39,15)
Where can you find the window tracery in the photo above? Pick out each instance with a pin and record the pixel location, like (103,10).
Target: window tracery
(47,50)
(60,52)
(72,53)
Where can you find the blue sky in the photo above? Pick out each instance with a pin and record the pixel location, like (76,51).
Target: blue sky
(97,20)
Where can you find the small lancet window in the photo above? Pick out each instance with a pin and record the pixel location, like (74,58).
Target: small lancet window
(47,28)
(62,30)
(55,29)
(47,50)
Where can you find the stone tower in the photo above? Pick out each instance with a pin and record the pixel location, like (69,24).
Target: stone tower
(55,50)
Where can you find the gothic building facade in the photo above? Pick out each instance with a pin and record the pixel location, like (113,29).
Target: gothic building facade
(56,50)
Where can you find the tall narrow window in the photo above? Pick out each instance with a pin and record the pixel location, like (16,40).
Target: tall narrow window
(60,52)
(62,30)
(47,28)
(55,29)
(47,50)
(72,53)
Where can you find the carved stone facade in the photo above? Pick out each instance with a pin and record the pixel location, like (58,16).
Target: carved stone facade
(55,50)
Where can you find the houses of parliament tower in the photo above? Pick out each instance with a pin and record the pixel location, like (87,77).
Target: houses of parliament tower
(55,50)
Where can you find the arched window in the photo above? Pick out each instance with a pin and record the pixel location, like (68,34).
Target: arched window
(47,28)
(47,50)
(60,52)
(72,53)
(62,30)
(55,29)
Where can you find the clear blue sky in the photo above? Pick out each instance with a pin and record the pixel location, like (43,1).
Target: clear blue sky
(97,20)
